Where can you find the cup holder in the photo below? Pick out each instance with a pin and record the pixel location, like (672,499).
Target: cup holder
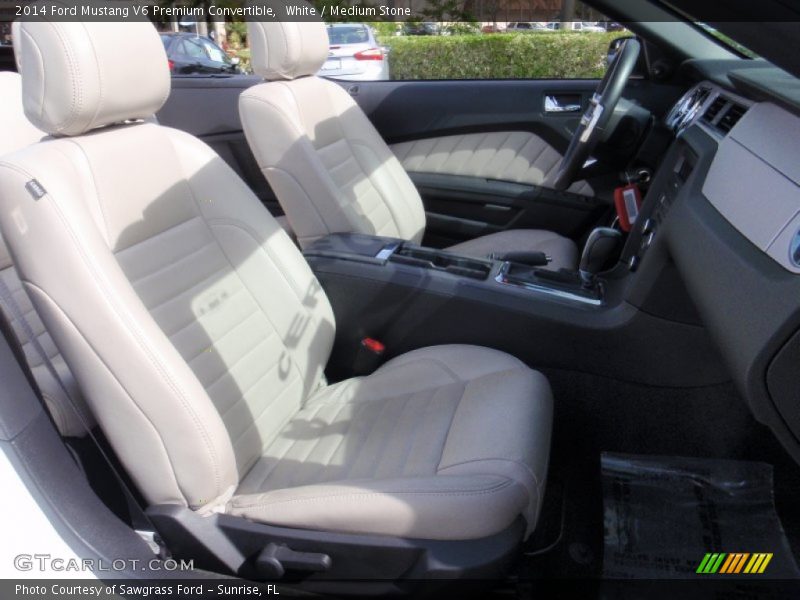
(428,258)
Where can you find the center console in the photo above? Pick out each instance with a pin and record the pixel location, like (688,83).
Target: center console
(441,269)
(407,296)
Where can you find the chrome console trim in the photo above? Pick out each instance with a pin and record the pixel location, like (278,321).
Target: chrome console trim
(502,278)
(385,252)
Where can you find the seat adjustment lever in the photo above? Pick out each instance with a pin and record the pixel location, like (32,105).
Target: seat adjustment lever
(274,560)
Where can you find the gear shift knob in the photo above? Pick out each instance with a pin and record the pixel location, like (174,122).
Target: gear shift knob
(601,243)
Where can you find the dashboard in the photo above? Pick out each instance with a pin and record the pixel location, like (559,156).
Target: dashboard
(724,209)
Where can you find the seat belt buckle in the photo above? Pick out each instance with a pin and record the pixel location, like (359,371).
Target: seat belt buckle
(628,202)
(369,356)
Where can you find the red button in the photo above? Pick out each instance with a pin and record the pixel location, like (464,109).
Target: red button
(373,345)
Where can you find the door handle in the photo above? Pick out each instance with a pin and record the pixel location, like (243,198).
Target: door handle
(555,104)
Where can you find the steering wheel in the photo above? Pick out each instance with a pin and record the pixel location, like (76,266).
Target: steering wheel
(597,116)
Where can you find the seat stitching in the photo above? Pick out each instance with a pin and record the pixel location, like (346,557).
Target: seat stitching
(349,426)
(480,460)
(244,393)
(195,321)
(479,492)
(230,330)
(275,263)
(177,296)
(411,441)
(172,264)
(116,380)
(263,410)
(314,444)
(381,195)
(378,457)
(247,353)
(278,459)
(96,194)
(159,234)
(378,416)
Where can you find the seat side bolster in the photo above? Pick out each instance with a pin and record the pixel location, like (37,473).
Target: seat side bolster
(61,249)
(436,507)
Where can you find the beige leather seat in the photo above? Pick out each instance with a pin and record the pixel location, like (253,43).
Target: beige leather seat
(326,163)
(200,334)
(17,132)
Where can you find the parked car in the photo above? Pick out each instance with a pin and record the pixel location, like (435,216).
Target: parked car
(525,27)
(420,28)
(192,54)
(582,26)
(355,54)
(491,29)
(611,26)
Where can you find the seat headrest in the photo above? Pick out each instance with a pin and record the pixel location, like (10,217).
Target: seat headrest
(81,76)
(286,50)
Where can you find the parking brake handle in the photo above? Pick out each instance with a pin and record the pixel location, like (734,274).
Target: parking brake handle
(532,259)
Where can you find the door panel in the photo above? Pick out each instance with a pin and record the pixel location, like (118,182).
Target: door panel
(460,209)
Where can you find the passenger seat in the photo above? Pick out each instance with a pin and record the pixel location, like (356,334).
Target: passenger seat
(16,132)
(200,336)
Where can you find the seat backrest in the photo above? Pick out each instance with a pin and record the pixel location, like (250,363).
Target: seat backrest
(190,319)
(328,166)
(16,132)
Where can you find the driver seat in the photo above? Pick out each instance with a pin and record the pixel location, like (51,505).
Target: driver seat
(328,166)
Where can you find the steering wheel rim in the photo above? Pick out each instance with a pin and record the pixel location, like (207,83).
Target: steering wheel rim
(597,116)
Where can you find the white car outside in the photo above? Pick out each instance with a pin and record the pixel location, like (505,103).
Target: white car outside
(584,26)
(354,54)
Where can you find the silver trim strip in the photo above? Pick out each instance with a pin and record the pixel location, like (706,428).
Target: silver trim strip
(502,278)
(385,252)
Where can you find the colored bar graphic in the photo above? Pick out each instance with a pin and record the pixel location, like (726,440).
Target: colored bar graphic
(711,563)
(764,564)
(734,563)
(731,560)
(739,566)
(703,563)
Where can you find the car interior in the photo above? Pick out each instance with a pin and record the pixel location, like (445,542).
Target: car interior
(358,337)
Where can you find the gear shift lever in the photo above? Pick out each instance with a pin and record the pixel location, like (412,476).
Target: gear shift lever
(601,243)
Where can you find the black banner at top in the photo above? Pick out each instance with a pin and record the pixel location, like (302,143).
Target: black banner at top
(708,11)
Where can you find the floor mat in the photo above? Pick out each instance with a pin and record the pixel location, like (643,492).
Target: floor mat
(672,518)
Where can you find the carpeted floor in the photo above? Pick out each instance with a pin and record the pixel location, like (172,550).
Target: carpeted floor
(595,415)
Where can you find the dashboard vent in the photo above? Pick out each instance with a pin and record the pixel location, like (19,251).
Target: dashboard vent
(731,117)
(714,110)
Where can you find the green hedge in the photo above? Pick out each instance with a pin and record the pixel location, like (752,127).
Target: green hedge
(500,56)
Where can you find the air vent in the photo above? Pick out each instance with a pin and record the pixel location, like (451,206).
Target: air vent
(731,117)
(714,110)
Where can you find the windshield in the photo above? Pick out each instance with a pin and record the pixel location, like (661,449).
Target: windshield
(727,41)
